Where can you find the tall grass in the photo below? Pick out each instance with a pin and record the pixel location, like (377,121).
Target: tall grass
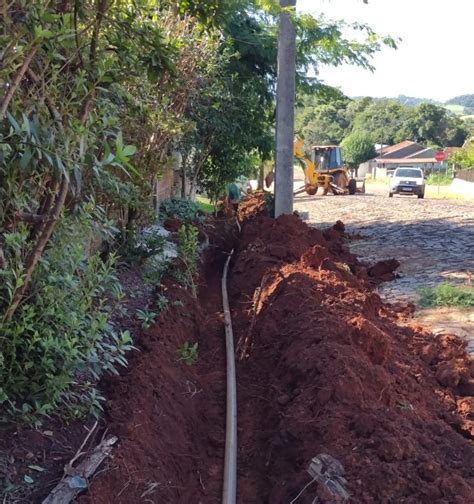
(439,179)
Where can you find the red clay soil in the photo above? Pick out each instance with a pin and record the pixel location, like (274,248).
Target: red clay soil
(324,367)
(169,416)
(328,368)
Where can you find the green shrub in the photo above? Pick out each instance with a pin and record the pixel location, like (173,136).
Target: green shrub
(447,294)
(136,248)
(184,210)
(61,339)
(439,179)
(155,269)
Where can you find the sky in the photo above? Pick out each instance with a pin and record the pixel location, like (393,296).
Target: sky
(433,60)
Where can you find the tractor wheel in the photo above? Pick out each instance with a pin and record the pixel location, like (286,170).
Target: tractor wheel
(352,186)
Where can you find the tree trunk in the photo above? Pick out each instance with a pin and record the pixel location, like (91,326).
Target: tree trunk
(192,189)
(183,177)
(261,177)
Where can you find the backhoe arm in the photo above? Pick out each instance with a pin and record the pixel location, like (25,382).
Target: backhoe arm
(311,175)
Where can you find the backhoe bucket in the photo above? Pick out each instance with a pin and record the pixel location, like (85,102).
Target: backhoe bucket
(360,185)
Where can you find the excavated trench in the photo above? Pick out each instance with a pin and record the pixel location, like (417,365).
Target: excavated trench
(323,367)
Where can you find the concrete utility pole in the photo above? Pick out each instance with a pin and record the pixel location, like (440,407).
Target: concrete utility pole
(285,112)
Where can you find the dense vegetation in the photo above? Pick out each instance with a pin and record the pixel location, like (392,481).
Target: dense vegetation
(329,119)
(464,158)
(98,97)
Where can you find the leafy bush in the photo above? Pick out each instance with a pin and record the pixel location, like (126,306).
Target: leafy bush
(138,247)
(61,339)
(447,294)
(184,210)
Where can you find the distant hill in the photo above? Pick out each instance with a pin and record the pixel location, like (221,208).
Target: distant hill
(466,99)
(412,100)
(405,100)
(463,104)
(459,105)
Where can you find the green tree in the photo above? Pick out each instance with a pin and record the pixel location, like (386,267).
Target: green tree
(357,148)
(323,119)
(226,136)
(96,95)
(464,158)
(383,119)
(432,124)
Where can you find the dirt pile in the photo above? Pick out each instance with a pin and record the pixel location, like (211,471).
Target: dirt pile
(324,368)
(328,368)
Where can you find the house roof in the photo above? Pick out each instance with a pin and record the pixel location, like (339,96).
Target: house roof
(451,150)
(407,152)
(396,147)
(406,160)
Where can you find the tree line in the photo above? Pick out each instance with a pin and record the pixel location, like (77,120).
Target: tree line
(330,118)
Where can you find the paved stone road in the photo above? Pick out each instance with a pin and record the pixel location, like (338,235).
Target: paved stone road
(433,239)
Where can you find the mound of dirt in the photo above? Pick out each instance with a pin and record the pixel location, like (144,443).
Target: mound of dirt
(327,367)
(253,205)
(383,271)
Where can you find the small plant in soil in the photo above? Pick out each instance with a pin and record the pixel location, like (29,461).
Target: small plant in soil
(405,405)
(155,269)
(447,294)
(162,303)
(146,317)
(188,352)
(188,246)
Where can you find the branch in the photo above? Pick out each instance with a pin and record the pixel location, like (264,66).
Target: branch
(52,109)
(35,255)
(65,491)
(29,217)
(16,81)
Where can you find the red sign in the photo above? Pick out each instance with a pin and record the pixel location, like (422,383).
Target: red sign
(440,156)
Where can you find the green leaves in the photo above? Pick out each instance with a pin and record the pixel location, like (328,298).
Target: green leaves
(146,318)
(28,479)
(42,34)
(188,352)
(357,148)
(64,330)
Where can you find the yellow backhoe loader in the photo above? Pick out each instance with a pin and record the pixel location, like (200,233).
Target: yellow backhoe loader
(325,170)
